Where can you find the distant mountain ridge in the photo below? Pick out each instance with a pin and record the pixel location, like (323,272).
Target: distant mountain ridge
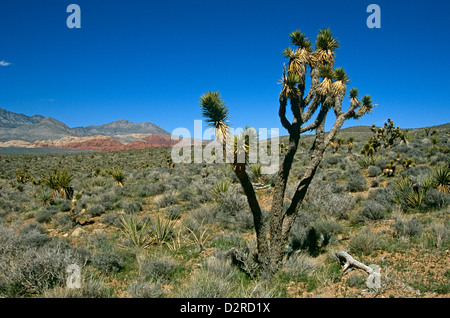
(15,126)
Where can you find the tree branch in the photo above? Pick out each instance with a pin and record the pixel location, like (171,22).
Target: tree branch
(259,224)
(282,113)
(374,279)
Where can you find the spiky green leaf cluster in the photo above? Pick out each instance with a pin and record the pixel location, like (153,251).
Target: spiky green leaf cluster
(298,38)
(215,112)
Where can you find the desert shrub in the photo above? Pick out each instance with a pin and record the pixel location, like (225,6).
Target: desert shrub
(132,207)
(408,228)
(167,200)
(145,290)
(231,201)
(34,239)
(204,192)
(30,263)
(356,183)
(45,215)
(333,160)
(107,200)
(123,191)
(64,206)
(220,265)
(367,161)
(333,175)
(372,210)
(437,235)
(203,215)
(156,188)
(244,221)
(33,226)
(107,262)
(328,227)
(375,183)
(64,221)
(244,258)
(157,268)
(111,219)
(173,212)
(374,171)
(356,280)
(411,151)
(300,265)
(89,289)
(206,284)
(417,171)
(435,200)
(365,242)
(95,210)
(323,198)
(192,204)
(177,183)
(143,191)
(382,196)
(185,194)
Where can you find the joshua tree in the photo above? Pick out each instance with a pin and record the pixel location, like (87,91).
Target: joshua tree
(327,89)
(350,144)
(336,143)
(383,137)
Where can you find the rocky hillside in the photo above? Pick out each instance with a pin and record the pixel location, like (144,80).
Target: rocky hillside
(18,130)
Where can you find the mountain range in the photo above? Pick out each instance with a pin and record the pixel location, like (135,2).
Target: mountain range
(19,130)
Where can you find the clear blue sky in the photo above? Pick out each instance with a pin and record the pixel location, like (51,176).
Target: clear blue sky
(145,60)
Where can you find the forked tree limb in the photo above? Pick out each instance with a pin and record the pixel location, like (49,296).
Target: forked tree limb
(373,281)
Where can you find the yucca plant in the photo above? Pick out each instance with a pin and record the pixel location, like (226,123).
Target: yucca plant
(51,181)
(162,229)
(177,241)
(326,85)
(44,195)
(216,112)
(60,183)
(219,189)
(256,171)
(139,234)
(350,144)
(410,194)
(326,46)
(64,180)
(441,179)
(22,176)
(200,236)
(119,176)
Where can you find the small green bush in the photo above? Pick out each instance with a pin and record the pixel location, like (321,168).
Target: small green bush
(365,242)
(167,200)
(410,228)
(95,210)
(356,183)
(374,171)
(107,262)
(157,268)
(372,210)
(145,290)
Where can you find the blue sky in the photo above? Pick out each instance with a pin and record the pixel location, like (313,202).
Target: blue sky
(145,60)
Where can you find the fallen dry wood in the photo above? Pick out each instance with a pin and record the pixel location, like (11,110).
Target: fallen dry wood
(374,279)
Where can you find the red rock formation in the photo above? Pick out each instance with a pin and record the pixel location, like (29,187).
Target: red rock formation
(103,143)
